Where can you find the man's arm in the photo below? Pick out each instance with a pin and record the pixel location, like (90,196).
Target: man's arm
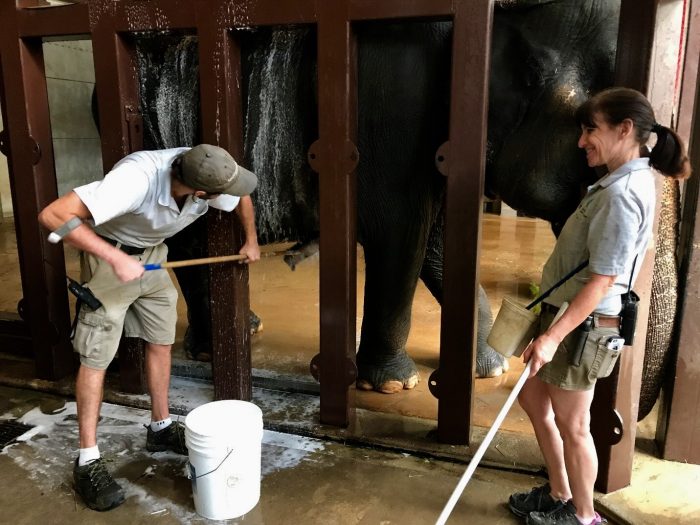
(84,238)
(541,350)
(246,214)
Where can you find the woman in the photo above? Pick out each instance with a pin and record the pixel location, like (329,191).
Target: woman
(611,228)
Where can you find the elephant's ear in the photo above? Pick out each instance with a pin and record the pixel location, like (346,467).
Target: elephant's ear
(521,4)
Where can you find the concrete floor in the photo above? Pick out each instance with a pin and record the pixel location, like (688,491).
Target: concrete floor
(304,480)
(335,479)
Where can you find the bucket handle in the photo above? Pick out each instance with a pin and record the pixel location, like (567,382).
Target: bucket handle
(217,467)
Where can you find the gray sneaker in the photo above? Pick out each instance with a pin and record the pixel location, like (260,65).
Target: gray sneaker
(96,487)
(171,437)
(564,515)
(538,499)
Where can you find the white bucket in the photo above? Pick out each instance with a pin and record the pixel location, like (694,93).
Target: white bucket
(513,328)
(224,443)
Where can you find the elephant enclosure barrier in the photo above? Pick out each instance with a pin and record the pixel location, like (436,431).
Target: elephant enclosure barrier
(112,24)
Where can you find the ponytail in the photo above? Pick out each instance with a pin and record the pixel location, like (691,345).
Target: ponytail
(668,156)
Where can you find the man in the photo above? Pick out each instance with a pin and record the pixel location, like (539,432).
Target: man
(147,197)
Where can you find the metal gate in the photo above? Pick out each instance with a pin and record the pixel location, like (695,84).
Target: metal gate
(334,156)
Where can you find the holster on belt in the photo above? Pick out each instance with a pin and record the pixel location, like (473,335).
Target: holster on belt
(579,338)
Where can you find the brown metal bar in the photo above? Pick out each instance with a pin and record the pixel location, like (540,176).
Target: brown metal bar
(33,177)
(393,9)
(679,415)
(153,15)
(335,161)
(132,365)
(690,72)
(617,397)
(465,183)
(264,13)
(635,41)
(15,336)
(116,82)
(71,19)
(222,124)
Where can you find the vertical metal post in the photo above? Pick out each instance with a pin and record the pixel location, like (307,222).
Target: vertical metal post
(334,157)
(465,182)
(616,399)
(678,427)
(222,124)
(33,177)
(116,82)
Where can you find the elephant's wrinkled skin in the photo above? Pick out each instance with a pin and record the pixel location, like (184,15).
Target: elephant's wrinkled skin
(547,57)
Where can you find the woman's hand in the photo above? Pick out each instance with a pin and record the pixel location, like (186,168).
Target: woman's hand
(540,352)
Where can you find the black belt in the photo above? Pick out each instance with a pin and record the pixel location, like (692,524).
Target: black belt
(129,250)
(606,321)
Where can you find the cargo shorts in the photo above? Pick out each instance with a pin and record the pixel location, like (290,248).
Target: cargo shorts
(597,360)
(145,308)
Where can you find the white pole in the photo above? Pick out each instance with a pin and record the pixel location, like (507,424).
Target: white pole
(482,448)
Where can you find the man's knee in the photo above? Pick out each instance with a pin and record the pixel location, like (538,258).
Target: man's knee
(158,349)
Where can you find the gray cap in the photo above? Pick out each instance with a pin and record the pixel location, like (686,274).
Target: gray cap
(212,169)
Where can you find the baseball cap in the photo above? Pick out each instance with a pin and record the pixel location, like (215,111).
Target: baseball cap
(212,169)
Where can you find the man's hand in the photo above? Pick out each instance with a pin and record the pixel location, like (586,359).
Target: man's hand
(126,268)
(250,250)
(540,352)
(246,214)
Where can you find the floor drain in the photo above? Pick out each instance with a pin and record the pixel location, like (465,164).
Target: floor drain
(11,430)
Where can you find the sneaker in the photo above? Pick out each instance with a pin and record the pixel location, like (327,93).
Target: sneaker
(95,485)
(171,437)
(564,515)
(538,499)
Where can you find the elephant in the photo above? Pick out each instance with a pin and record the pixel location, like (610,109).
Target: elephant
(547,57)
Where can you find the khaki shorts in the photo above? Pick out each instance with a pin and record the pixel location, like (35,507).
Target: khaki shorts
(597,361)
(144,308)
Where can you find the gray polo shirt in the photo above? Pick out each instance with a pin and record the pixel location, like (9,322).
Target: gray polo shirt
(611,226)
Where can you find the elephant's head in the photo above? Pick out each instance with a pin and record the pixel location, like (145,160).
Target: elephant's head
(547,58)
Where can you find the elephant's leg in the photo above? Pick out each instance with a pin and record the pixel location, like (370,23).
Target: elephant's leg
(390,281)
(489,363)
(190,243)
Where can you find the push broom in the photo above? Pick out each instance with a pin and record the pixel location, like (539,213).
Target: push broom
(510,335)
(209,260)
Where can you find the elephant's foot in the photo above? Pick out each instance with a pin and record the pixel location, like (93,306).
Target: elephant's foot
(389,387)
(198,348)
(490,363)
(256,324)
(386,374)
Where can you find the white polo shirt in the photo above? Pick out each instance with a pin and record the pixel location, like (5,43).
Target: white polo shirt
(133,204)
(611,226)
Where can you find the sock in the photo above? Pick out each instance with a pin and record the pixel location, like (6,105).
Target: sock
(588,521)
(160,425)
(87,455)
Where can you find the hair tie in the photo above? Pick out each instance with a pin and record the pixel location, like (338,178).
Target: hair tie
(656,127)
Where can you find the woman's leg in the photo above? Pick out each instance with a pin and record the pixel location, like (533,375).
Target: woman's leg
(572,416)
(534,398)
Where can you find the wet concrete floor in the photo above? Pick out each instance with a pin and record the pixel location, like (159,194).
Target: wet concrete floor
(304,480)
